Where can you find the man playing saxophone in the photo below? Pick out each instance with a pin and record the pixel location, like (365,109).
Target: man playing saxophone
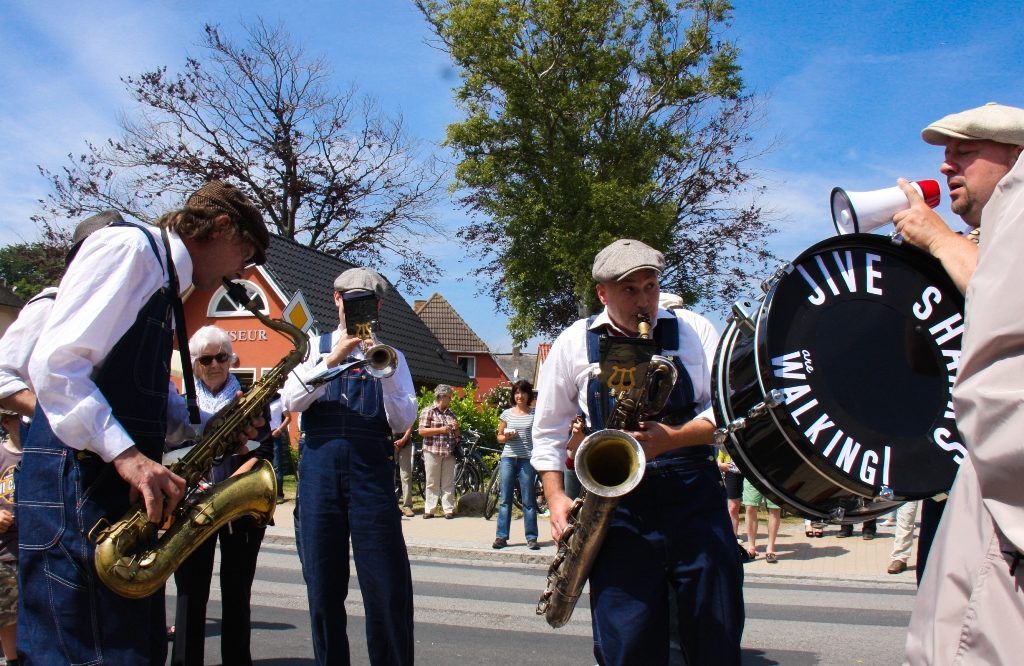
(672,532)
(101,371)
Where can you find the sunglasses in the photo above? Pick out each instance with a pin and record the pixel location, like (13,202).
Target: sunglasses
(221,358)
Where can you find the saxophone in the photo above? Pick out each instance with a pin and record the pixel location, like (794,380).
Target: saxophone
(130,559)
(609,464)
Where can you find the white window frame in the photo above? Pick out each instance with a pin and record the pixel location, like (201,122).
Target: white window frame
(244,371)
(472,364)
(212,312)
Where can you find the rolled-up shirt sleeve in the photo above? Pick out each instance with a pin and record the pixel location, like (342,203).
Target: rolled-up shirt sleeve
(18,342)
(398,390)
(557,400)
(399,397)
(111,279)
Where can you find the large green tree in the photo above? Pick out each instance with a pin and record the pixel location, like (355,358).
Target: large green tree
(592,120)
(30,267)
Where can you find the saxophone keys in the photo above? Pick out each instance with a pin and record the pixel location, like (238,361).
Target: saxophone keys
(148,559)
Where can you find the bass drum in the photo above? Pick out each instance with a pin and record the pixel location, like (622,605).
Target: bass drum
(835,388)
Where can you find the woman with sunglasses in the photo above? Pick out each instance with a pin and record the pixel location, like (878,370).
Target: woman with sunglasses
(212,359)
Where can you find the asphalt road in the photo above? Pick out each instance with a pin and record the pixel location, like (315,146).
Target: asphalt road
(483,613)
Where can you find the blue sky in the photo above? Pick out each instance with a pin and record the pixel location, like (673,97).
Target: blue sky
(846,89)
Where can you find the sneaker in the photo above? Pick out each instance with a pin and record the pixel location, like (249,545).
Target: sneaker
(532,544)
(897,567)
(281,499)
(427,515)
(449,516)
(499,543)
(887,523)
(407,512)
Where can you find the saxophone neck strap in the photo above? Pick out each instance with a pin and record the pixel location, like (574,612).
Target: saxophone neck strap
(187,379)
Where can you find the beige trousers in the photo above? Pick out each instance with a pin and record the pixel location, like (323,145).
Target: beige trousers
(903,539)
(969,610)
(440,471)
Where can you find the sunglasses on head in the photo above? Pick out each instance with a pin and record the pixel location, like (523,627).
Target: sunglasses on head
(221,358)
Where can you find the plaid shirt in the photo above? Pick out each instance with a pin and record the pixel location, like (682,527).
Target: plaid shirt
(432,417)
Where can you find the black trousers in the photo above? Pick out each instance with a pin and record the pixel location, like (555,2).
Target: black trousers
(239,547)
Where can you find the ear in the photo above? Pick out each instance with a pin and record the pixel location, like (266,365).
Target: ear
(221,225)
(602,293)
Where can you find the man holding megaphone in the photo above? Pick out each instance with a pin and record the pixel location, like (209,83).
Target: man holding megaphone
(982,145)
(970,607)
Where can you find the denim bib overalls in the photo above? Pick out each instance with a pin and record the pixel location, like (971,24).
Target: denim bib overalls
(346,487)
(672,532)
(66,615)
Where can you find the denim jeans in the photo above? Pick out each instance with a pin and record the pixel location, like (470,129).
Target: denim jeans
(345,488)
(672,532)
(515,470)
(282,459)
(66,615)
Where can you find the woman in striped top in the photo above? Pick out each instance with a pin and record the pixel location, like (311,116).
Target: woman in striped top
(515,432)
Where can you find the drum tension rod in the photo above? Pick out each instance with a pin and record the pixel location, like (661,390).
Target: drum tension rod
(774,398)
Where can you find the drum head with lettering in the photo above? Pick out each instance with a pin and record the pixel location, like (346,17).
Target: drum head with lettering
(863,339)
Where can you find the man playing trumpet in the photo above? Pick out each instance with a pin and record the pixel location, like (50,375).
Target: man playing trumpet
(672,531)
(346,485)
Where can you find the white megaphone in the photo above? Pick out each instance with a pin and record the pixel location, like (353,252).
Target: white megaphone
(860,212)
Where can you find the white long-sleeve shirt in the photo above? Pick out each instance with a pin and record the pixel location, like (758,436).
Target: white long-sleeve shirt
(398,390)
(18,342)
(112,277)
(562,389)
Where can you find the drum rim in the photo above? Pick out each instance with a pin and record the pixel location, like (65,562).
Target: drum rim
(914,256)
(723,360)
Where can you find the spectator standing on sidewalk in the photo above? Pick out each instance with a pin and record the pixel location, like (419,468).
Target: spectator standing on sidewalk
(752,499)
(515,431)
(868,530)
(280,419)
(903,540)
(440,432)
(403,453)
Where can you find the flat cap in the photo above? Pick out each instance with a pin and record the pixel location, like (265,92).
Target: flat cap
(667,301)
(230,200)
(992,122)
(623,257)
(442,390)
(361,278)
(87,226)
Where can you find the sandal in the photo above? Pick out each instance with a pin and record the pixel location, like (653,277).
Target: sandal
(771,558)
(751,553)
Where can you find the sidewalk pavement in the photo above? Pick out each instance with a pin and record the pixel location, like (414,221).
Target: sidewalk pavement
(799,558)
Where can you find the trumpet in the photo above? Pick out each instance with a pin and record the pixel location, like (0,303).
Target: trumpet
(381,361)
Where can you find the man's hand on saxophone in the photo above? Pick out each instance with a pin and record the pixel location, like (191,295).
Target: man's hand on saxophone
(657,438)
(161,489)
(558,502)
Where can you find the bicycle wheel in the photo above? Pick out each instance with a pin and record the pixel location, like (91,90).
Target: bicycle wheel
(493,494)
(419,474)
(468,479)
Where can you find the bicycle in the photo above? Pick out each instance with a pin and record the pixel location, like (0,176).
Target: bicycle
(493,494)
(470,468)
